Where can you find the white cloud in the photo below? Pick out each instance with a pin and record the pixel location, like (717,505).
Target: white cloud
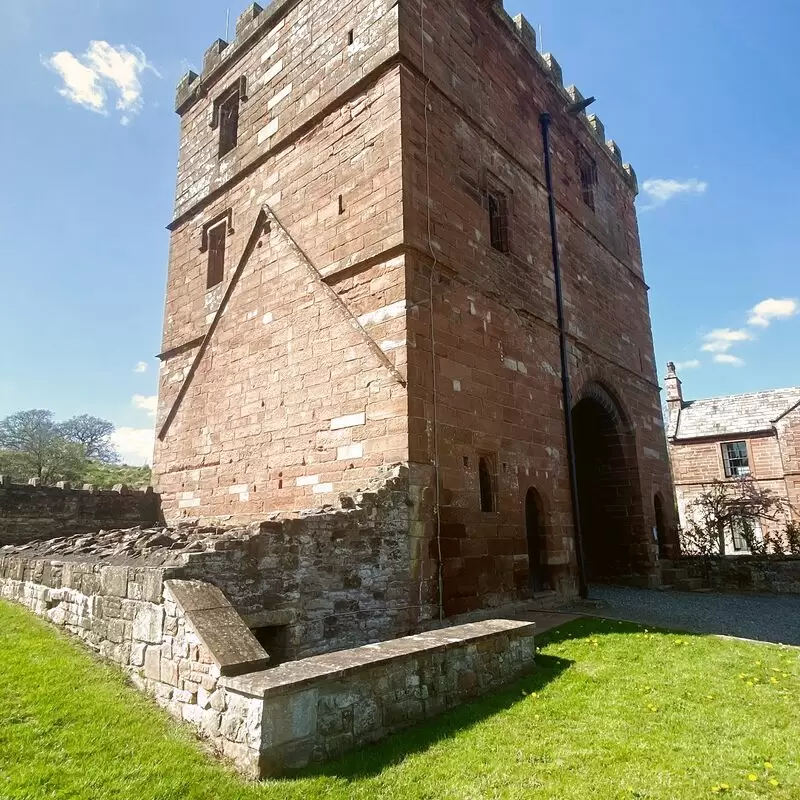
(662,190)
(141,367)
(727,358)
(768,310)
(722,339)
(146,403)
(103,68)
(135,445)
(692,364)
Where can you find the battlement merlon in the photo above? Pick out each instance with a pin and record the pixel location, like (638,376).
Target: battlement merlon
(526,34)
(251,25)
(255,21)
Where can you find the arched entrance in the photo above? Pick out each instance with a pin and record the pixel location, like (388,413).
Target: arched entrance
(661,527)
(538,576)
(614,534)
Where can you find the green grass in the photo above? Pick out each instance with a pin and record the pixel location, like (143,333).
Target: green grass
(611,712)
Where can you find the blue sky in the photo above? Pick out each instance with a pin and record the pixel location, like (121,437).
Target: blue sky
(702,97)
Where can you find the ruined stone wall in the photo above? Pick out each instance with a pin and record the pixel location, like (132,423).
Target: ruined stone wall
(331,580)
(471,105)
(29,512)
(299,394)
(317,582)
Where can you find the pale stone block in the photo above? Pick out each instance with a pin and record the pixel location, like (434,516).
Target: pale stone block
(307,480)
(281,95)
(148,623)
(268,130)
(323,488)
(348,421)
(350,451)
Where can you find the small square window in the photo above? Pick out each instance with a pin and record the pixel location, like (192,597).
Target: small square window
(215,271)
(497,205)
(588,172)
(734,457)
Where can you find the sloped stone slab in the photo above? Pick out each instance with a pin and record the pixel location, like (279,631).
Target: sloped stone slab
(219,627)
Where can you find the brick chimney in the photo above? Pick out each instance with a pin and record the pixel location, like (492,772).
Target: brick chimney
(672,383)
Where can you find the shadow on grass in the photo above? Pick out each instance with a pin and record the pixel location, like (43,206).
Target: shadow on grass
(372,759)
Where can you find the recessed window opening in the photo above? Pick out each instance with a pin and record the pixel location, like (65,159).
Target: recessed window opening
(351,37)
(734,457)
(588,172)
(486,482)
(228,112)
(215,270)
(498,220)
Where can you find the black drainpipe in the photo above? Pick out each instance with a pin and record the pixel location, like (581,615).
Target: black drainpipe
(544,121)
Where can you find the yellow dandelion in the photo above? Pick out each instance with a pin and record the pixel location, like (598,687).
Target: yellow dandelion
(752,777)
(750,683)
(767,765)
(772,782)
(773,679)
(716,789)
(724,787)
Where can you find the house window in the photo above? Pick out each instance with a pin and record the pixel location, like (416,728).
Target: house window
(498,220)
(734,457)
(215,271)
(486,482)
(588,171)
(743,532)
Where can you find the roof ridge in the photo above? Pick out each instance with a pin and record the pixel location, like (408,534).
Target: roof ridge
(743,394)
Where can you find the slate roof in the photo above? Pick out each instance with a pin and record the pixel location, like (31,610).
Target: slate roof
(734,414)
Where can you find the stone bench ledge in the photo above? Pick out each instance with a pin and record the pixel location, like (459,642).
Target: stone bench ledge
(290,676)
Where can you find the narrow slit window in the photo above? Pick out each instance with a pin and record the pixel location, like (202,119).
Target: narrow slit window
(228,122)
(216,255)
(486,484)
(498,220)
(588,170)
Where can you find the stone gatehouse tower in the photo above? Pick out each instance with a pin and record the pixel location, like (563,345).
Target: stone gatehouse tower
(360,277)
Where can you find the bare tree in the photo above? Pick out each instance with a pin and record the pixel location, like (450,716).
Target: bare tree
(723,507)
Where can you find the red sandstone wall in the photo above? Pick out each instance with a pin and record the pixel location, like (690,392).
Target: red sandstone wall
(497,368)
(290,404)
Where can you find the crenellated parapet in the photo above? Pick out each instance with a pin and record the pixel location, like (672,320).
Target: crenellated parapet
(256,20)
(525,33)
(251,24)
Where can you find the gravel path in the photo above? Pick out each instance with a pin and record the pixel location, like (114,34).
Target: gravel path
(768,618)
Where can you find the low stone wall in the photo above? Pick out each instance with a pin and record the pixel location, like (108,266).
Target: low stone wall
(319,708)
(130,616)
(182,642)
(29,512)
(765,574)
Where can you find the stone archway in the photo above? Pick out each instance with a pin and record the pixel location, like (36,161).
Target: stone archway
(616,542)
(536,534)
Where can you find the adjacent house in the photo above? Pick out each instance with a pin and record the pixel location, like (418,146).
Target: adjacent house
(755,436)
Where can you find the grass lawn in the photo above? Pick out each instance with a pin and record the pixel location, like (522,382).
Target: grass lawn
(613,711)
